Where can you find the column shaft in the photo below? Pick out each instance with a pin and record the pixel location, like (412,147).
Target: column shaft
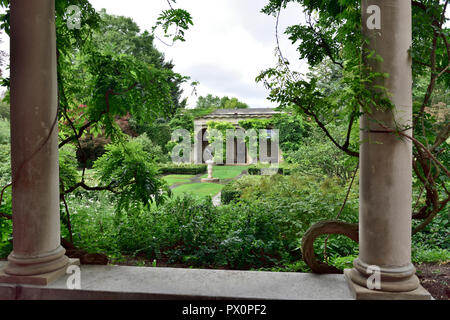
(34,140)
(385,161)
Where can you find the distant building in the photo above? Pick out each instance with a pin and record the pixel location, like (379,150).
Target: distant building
(232,116)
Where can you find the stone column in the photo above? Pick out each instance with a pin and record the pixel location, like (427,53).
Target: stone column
(385,159)
(198,143)
(37,255)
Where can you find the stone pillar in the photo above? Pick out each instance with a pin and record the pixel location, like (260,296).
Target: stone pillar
(198,143)
(386,160)
(210,178)
(37,255)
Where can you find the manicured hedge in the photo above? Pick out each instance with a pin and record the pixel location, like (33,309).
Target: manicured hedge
(256,171)
(183,169)
(229,193)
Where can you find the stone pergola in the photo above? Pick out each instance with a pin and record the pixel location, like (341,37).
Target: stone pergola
(38,258)
(232,116)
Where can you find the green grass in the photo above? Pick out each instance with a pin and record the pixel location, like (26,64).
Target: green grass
(226,172)
(177,178)
(198,190)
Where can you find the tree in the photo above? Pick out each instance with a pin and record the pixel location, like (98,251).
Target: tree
(233,103)
(210,101)
(332,33)
(121,35)
(99,81)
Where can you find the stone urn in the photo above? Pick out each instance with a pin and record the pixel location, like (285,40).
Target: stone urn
(210,178)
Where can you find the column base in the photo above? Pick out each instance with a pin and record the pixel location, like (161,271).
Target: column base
(362,293)
(392,279)
(40,279)
(211,180)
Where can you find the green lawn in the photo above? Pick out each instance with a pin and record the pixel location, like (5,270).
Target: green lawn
(226,172)
(198,189)
(177,178)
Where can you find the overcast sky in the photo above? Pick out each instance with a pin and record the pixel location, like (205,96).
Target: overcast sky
(229,44)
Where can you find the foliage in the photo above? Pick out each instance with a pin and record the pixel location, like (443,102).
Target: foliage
(5,179)
(339,85)
(229,193)
(90,148)
(255,233)
(174,18)
(130,171)
(198,190)
(217,130)
(183,120)
(68,173)
(436,234)
(5,164)
(183,168)
(317,155)
(430,255)
(198,113)
(108,69)
(122,35)
(244,235)
(293,130)
(5,111)
(210,101)
(154,150)
(233,103)
(258,170)
(158,132)
(6,225)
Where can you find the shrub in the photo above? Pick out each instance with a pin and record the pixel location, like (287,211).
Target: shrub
(6,225)
(192,169)
(261,229)
(258,170)
(317,155)
(5,164)
(156,152)
(5,109)
(159,133)
(91,149)
(230,193)
(420,255)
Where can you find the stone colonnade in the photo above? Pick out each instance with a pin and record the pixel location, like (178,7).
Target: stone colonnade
(385,195)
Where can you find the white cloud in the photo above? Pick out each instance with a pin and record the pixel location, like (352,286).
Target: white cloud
(229,44)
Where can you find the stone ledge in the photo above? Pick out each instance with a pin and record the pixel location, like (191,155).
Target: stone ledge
(122,282)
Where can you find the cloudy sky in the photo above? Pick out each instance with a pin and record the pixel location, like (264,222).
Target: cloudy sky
(229,44)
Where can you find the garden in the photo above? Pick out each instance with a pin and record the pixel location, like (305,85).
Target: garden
(122,197)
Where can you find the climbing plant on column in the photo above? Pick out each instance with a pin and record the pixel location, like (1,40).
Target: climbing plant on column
(330,36)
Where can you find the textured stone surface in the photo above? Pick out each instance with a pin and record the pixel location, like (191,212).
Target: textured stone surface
(42,279)
(361,293)
(121,282)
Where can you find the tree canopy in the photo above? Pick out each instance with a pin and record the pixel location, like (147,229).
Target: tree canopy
(336,90)
(210,101)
